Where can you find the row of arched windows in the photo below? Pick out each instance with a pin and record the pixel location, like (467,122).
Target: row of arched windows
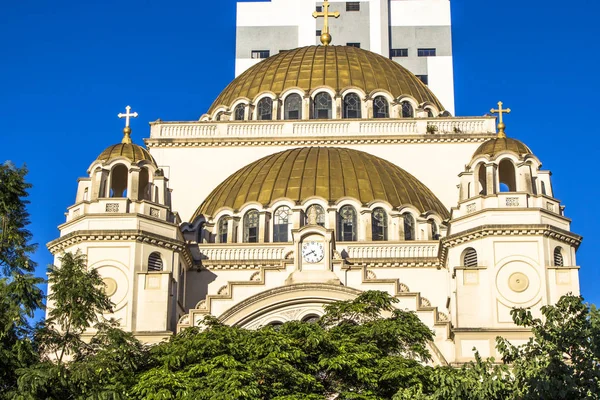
(322,108)
(118,182)
(315,214)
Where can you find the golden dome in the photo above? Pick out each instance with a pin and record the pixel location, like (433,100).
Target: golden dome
(338,67)
(493,147)
(331,173)
(130,151)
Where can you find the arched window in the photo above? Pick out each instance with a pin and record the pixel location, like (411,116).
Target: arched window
(315,215)
(251,224)
(265,109)
(347,224)
(223,228)
(352,106)
(219,116)
(322,106)
(292,107)
(407,110)
(239,113)
(506,171)
(470,257)
(281,224)
(379,224)
(155,262)
(86,194)
(429,113)
(468,190)
(276,325)
(118,181)
(409,227)
(381,107)
(144,187)
(543,184)
(435,235)
(558,257)
(481,175)
(311,318)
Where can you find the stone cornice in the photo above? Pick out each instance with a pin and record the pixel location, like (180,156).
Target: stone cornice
(317,140)
(129,235)
(479,232)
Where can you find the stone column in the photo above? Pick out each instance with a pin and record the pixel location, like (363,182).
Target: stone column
(133,183)
(364,221)
(306,101)
(490,178)
(524,183)
(264,218)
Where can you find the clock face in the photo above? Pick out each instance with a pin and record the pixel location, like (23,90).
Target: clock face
(313,252)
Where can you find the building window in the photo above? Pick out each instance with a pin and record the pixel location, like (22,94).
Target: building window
(315,215)
(352,106)
(293,107)
(353,6)
(381,107)
(240,112)
(409,227)
(543,185)
(353,44)
(430,113)
(265,109)
(118,181)
(281,224)
(251,224)
(319,32)
(558,257)
(470,257)
(260,54)
(155,262)
(407,110)
(222,230)
(379,225)
(506,171)
(398,52)
(322,106)
(311,318)
(426,52)
(423,78)
(347,224)
(435,235)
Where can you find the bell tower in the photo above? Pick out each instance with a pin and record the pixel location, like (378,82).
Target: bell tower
(509,244)
(122,221)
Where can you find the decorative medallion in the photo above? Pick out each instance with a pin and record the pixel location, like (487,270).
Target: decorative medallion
(110,286)
(518,282)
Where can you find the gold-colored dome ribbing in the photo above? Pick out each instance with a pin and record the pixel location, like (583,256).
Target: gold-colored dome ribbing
(130,151)
(331,173)
(493,147)
(338,67)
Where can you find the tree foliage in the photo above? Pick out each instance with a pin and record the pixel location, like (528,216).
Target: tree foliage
(20,294)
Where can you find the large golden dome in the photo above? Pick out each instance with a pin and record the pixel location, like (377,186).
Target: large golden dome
(331,173)
(338,67)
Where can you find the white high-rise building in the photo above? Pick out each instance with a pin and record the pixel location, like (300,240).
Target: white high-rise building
(414,33)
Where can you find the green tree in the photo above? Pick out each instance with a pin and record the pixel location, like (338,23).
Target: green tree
(352,353)
(562,358)
(20,295)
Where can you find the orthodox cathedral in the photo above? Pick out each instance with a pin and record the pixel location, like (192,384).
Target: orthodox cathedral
(318,173)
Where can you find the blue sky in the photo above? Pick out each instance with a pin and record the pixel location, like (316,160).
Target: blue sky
(68,67)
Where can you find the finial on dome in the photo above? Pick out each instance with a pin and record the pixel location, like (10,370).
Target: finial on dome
(127,130)
(325,36)
(501,126)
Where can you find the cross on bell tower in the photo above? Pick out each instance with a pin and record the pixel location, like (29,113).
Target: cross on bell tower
(325,14)
(127,130)
(500,111)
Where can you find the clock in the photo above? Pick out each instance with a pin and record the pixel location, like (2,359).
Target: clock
(313,252)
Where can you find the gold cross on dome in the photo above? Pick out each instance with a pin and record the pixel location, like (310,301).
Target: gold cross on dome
(325,36)
(127,130)
(500,111)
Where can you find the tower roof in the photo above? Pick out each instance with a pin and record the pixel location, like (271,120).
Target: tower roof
(130,151)
(493,147)
(331,173)
(337,67)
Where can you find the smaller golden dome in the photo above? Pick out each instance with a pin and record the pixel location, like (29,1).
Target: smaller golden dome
(495,146)
(130,151)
